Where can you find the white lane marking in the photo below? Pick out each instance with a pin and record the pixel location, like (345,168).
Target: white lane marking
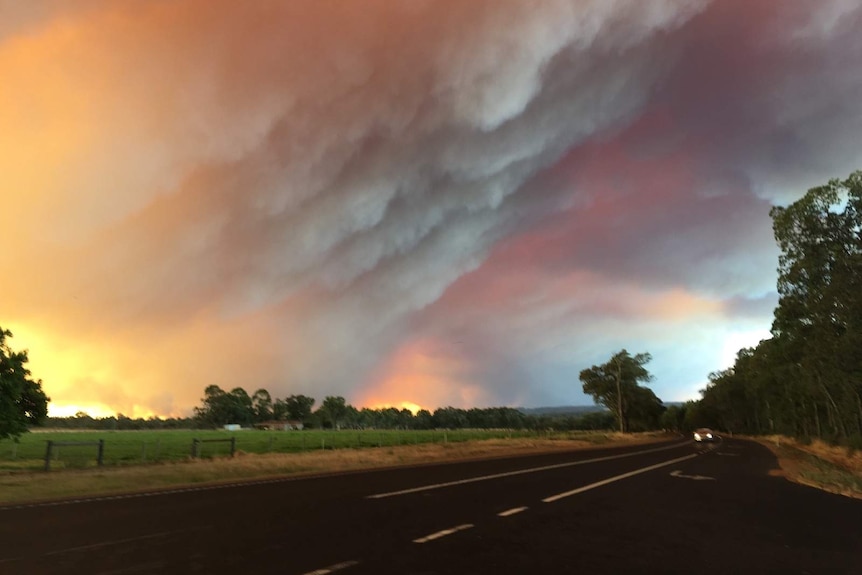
(511,511)
(443,533)
(519,472)
(678,473)
(333,568)
(109,543)
(553,498)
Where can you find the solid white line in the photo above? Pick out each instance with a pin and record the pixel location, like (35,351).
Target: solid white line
(553,498)
(333,568)
(443,533)
(520,472)
(511,511)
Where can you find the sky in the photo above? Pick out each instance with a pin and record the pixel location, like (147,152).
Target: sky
(415,203)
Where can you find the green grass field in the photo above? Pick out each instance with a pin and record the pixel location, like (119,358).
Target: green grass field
(147,447)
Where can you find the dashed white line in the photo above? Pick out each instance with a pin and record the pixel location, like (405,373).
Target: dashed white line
(519,472)
(333,568)
(558,496)
(678,473)
(511,511)
(443,533)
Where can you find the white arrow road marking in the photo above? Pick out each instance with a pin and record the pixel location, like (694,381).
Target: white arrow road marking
(678,473)
(559,496)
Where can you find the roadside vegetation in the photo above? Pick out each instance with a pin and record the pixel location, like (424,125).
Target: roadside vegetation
(800,392)
(818,464)
(806,381)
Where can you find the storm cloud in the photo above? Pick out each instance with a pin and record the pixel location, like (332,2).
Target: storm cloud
(419,202)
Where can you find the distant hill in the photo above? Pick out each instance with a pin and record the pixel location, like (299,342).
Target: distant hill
(576,409)
(562,410)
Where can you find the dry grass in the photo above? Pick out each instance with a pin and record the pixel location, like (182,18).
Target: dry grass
(18,487)
(818,464)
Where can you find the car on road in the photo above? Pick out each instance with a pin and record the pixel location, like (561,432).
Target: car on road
(704,434)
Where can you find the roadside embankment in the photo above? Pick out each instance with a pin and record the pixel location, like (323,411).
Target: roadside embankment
(817,464)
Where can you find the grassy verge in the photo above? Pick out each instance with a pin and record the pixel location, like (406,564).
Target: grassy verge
(27,486)
(826,467)
(133,448)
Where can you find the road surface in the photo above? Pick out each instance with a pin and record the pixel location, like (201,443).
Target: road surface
(677,507)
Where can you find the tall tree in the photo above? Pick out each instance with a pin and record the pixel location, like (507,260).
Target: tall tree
(298,407)
(241,406)
(22,401)
(615,385)
(219,407)
(819,314)
(333,409)
(262,405)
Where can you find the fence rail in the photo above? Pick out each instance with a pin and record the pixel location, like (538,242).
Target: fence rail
(100,458)
(121,448)
(196,445)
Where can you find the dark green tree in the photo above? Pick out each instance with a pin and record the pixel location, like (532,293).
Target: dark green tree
(615,385)
(262,405)
(820,309)
(333,409)
(298,407)
(449,418)
(22,401)
(424,419)
(220,408)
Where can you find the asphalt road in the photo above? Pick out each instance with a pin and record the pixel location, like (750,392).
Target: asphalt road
(678,507)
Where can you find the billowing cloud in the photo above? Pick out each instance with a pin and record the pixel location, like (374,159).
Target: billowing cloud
(425,202)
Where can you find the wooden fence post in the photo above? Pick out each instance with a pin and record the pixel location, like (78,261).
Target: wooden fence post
(48,455)
(101,457)
(232,446)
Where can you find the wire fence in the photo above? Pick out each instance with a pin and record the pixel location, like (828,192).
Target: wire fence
(76,449)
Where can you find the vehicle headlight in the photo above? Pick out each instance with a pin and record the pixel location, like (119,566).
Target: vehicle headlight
(697,436)
(709,436)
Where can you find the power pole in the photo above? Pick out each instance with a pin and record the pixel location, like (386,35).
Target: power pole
(619,393)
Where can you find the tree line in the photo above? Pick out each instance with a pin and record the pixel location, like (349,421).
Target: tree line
(806,380)
(219,407)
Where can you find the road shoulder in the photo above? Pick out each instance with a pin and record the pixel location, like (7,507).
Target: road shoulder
(828,468)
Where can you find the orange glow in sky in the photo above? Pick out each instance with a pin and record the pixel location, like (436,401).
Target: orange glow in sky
(422,375)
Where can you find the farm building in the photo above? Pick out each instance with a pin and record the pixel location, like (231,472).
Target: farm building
(289,425)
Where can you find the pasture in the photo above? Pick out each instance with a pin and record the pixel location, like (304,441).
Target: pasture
(124,448)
